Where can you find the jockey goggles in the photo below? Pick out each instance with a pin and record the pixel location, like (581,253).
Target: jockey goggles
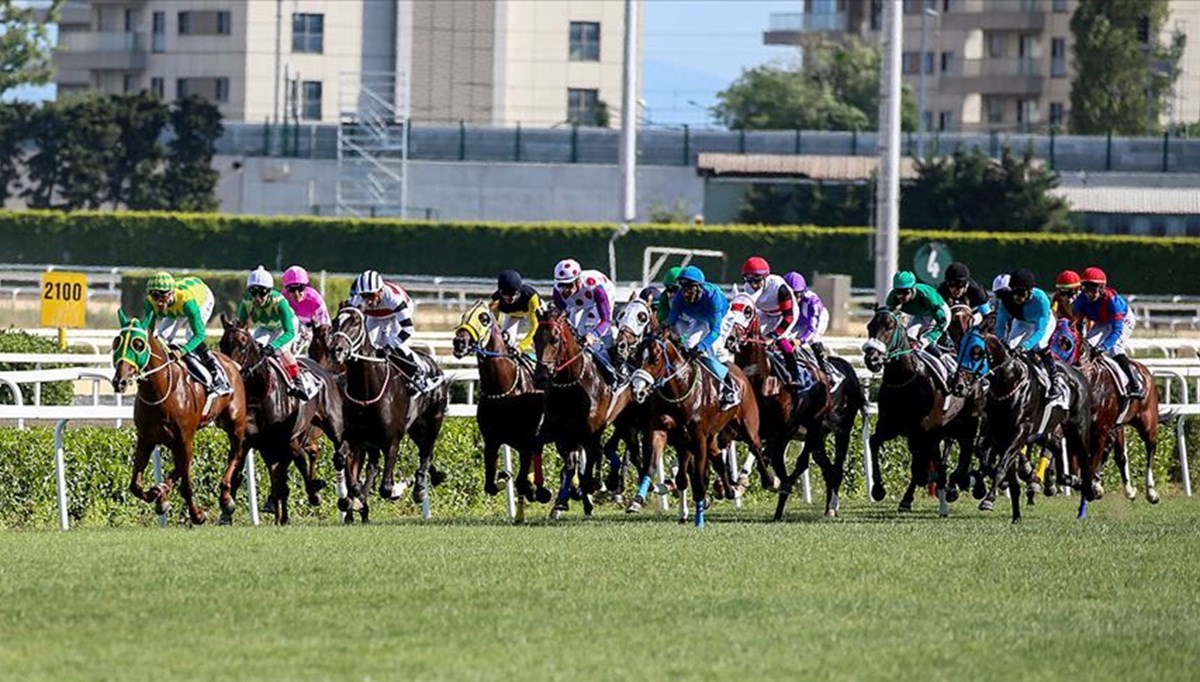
(258,292)
(1091,286)
(160,295)
(296,288)
(752,279)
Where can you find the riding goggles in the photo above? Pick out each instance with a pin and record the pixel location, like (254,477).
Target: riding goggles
(258,292)
(160,295)
(297,288)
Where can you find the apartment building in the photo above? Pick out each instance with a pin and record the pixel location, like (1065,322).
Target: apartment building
(492,62)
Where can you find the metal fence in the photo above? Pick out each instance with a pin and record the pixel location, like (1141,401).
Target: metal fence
(463,142)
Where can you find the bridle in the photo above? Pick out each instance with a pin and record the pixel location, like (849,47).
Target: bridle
(559,325)
(140,373)
(898,344)
(355,343)
(667,374)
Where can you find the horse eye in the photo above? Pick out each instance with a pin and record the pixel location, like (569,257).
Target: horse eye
(485,319)
(116,343)
(643,318)
(138,345)
(977,353)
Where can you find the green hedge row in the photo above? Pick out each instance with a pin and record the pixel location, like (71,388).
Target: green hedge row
(154,240)
(98,469)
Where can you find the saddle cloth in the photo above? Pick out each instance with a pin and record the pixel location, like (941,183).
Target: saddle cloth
(942,368)
(1118,375)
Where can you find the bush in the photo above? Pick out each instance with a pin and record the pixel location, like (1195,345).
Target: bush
(17,341)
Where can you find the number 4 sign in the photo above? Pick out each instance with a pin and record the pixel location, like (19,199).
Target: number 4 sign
(64,299)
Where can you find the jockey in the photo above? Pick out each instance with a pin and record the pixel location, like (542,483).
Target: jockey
(776,307)
(587,298)
(275,325)
(929,314)
(179,310)
(670,288)
(1023,320)
(960,289)
(1112,323)
(812,319)
(389,324)
(517,302)
(306,302)
(698,316)
(1066,290)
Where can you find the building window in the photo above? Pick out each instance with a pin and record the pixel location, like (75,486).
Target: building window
(583,106)
(948,61)
(1058,57)
(929,57)
(1059,5)
(585,41)
(156,86)
(158,33)
(995,110)
(221,88)
(224,23)
(211,89)
(206,23)
(945,120)
(1056,113)
(1027,111)
(308,33)
(996,45)
(129,83)
(185,23)
(909,62)
(310,105)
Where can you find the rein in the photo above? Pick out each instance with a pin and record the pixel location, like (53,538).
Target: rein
(142,376)
(355,343)
(662,382)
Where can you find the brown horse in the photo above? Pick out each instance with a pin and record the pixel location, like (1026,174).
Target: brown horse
(689,394)
(579,405)
(380,411)
(170,407)
(284,429)
(510,407)
(810,414)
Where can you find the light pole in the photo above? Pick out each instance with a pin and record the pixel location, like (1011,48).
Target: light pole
(921,108)
(887,192)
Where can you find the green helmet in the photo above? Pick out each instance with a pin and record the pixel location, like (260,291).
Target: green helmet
(671,276)
(904,280)
(160,281)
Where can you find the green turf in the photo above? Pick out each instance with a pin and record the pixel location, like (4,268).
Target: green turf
(869,596)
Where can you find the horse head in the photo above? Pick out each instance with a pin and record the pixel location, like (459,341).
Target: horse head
(555,345)
(632,324)
(474,330)
(238,343)
(744,328)
(973,361)
(652,361)
(348,334)
(962,318)
(131,351)
(886,339)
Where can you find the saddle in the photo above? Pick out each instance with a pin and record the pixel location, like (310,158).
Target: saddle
(801,384)
(941,368)
(1119,377)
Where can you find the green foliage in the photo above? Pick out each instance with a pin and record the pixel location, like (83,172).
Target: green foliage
(14,131)
(25,43)
(969,191)
(190,180)
(836,87)
(664,214)
(18,341)
(134,174)
(815,204)
(1115,73)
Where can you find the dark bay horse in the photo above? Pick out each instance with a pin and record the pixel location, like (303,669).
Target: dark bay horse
(914,404)
(379,412)
(285,430)
(634,322)
(579,405)
(1016,411)
(510,406)
(1112,411)
(170,407)
(690,395)
(810,415)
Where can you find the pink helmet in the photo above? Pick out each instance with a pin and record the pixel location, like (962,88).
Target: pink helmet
(567,270)
(295,275)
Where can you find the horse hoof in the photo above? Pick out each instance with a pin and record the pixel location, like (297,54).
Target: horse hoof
(1051,489)
(343,504)
(436,476)
(634,507)
(952,493)
(1097,491)
(543,495)
(831,513)
(226,519)
(943,513)
(357,505)
(1016,521)
(314,500)
(317,486)
(269,506)
(1130,492)
(1030,497)
(987,505)
(198,518)
(904,507)
(491,489)
(617,499)
(556,514)
(878,493)
(1152,496)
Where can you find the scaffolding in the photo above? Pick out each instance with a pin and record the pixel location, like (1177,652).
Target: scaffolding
(372,145)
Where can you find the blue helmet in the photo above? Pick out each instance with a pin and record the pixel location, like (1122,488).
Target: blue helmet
(692,274)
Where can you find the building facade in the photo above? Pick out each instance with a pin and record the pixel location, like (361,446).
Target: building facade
(489,62)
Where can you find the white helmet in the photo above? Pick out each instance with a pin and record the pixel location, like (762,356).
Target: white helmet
(259,277)
(368,282)
(567,270)
(1000,283)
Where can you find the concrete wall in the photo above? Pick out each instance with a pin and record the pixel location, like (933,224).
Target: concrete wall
(461,190)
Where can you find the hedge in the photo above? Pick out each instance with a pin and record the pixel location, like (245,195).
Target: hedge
(98,461)
(1149,265)
(17,341)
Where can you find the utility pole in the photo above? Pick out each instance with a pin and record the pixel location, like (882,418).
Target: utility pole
(921,101)
(278,55)
(629,123)
(887,192)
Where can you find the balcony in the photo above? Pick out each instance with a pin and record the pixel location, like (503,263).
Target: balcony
(784,28)
(997,76)
(997,15)
(101,51)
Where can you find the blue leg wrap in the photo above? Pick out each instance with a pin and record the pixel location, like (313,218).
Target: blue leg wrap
(644,487)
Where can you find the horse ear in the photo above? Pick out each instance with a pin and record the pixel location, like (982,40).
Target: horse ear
(122,318)
(226,322)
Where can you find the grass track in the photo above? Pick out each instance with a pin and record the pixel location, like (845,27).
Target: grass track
(870,596)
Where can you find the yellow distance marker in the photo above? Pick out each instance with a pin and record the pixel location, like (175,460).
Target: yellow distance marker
(64,302)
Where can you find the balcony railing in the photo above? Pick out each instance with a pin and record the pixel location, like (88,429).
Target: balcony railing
(104,41)
(994,68)
(806,21)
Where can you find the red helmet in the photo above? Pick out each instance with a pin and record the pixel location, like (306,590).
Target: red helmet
(1096,275)
(756,265)
(1067,279)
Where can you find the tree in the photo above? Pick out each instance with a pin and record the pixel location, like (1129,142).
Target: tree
(74,140)
(189,181)
(135,170)
(14,132)
(835,88)
(827,205)
(25,43)
(1121,81)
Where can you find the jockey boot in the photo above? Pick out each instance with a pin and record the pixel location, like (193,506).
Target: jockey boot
(1055,390)
(793,368)
(729,394)
(219,383)
(1133,386)
(296,387)
(414,376)
(822,357)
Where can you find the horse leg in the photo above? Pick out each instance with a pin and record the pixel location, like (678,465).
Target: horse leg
(278,468)
(183,473)
(1147,429)
(917,469)
(1121,457)
(233,477)
(387,489)
(141,458)
(616,475)
(562,501)
(884,431)
(1014,494)
(835,473)
(653,443)
(700,479)
(424,434)
(684,461)
(491,453)
(592,452)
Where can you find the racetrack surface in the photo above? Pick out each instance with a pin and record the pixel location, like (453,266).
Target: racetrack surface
(872,595)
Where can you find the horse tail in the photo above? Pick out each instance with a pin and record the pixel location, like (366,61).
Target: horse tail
(856,397)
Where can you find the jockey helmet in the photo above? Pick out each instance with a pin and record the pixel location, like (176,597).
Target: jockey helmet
(509,282)
(796,281)
(160,281)
(259,277)
(566,271)
(369,282)
(671,276)
(692,275)
(756,266)
(295,276)
(904,280)
(958,273)
(1067,279)
(1022,279)
(1000,284)
(1095,274)
(650,295)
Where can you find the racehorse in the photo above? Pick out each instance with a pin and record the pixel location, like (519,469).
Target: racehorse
(1112,411)
(914,403)
(811,413)
(379,411)
(1016,410)
(510,407)
(285,430)
(690,395)
(579,405)
(318,349)
(170,407)
(634,321)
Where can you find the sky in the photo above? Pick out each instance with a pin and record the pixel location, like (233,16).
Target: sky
(693,49)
